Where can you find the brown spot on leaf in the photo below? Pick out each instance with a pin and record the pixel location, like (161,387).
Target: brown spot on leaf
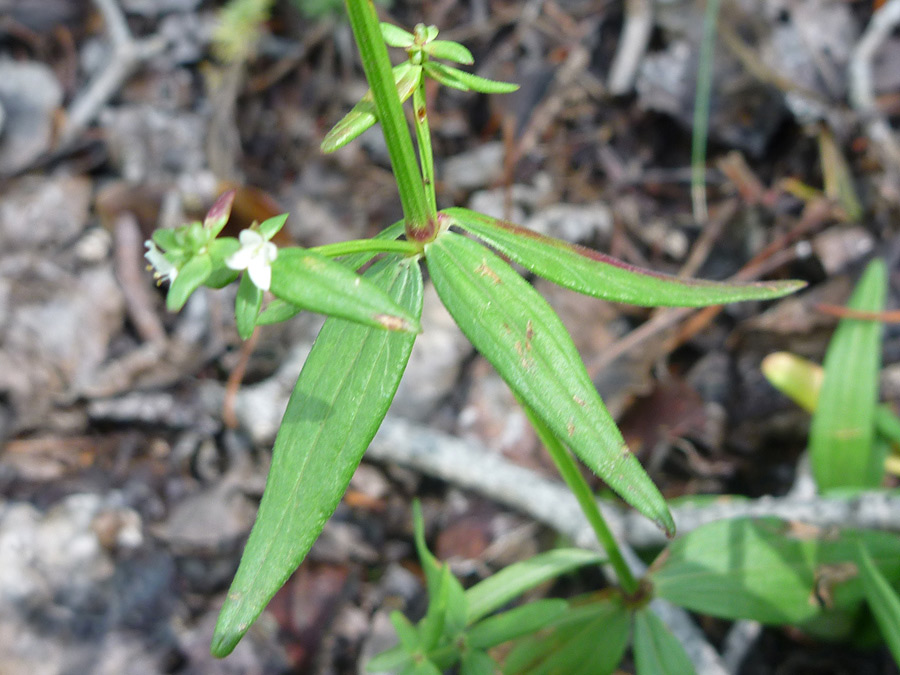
(826,579)
(570,427)
(392,322)
(580,401)
(486,271)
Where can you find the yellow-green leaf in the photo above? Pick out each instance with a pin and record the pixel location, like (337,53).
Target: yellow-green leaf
(841,435)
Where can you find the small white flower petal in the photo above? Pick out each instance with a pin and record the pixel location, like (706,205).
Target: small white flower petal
(269,252)
(250,238)
(260,272)
(240,259)
(163,269)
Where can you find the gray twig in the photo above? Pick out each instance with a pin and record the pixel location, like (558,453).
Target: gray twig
(127,55)
(633,43)
(862,90)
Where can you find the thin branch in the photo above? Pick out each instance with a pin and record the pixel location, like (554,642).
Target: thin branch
(862,89)
(127,55)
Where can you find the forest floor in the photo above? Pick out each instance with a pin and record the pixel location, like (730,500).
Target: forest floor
(131,463)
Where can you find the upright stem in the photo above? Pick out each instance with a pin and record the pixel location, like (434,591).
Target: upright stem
(423,136)
(377,66)
(568,469)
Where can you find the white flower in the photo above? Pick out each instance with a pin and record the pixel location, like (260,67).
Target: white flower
(162,268)
(255,255)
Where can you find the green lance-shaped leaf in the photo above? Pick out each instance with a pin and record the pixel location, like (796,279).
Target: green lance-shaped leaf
(477,663)
(771,571)
(498,589)
(883,601)
(656,650)
(459,79)
(317,284)
(338,403)
(515,623)
(524,339)
(279,310)
(601,276)
(842,431)
(363,114)
(587,640)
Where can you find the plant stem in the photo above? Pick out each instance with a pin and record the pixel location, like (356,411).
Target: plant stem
(365,246)
(568,469)
(377,66)
(423,136)
(701,111)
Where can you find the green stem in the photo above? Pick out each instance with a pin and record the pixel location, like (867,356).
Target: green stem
(423,136)
(365,246)
(377,66)
(568,469)
(701,111)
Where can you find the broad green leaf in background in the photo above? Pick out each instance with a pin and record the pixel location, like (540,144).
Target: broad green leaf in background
(656,650)
(601,276)
(515,623)
(800,379)
(310,281)
(524,339)
(338,403)
(586,640)
(218,250)
(498,589)
(477,663)
(841,434)
(882,599)
(769,570)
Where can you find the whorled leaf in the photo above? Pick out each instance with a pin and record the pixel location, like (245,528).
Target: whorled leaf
(192,275)
(317,284)
(459,79)
(450,51)
(279,310)
(524,339)
(841,436)
(394,36)
(515,623)
(588,639)
(498,589)
(601,276)
(338,403)
(363,115)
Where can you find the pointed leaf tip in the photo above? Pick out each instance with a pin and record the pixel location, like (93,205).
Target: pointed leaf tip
(219,212)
